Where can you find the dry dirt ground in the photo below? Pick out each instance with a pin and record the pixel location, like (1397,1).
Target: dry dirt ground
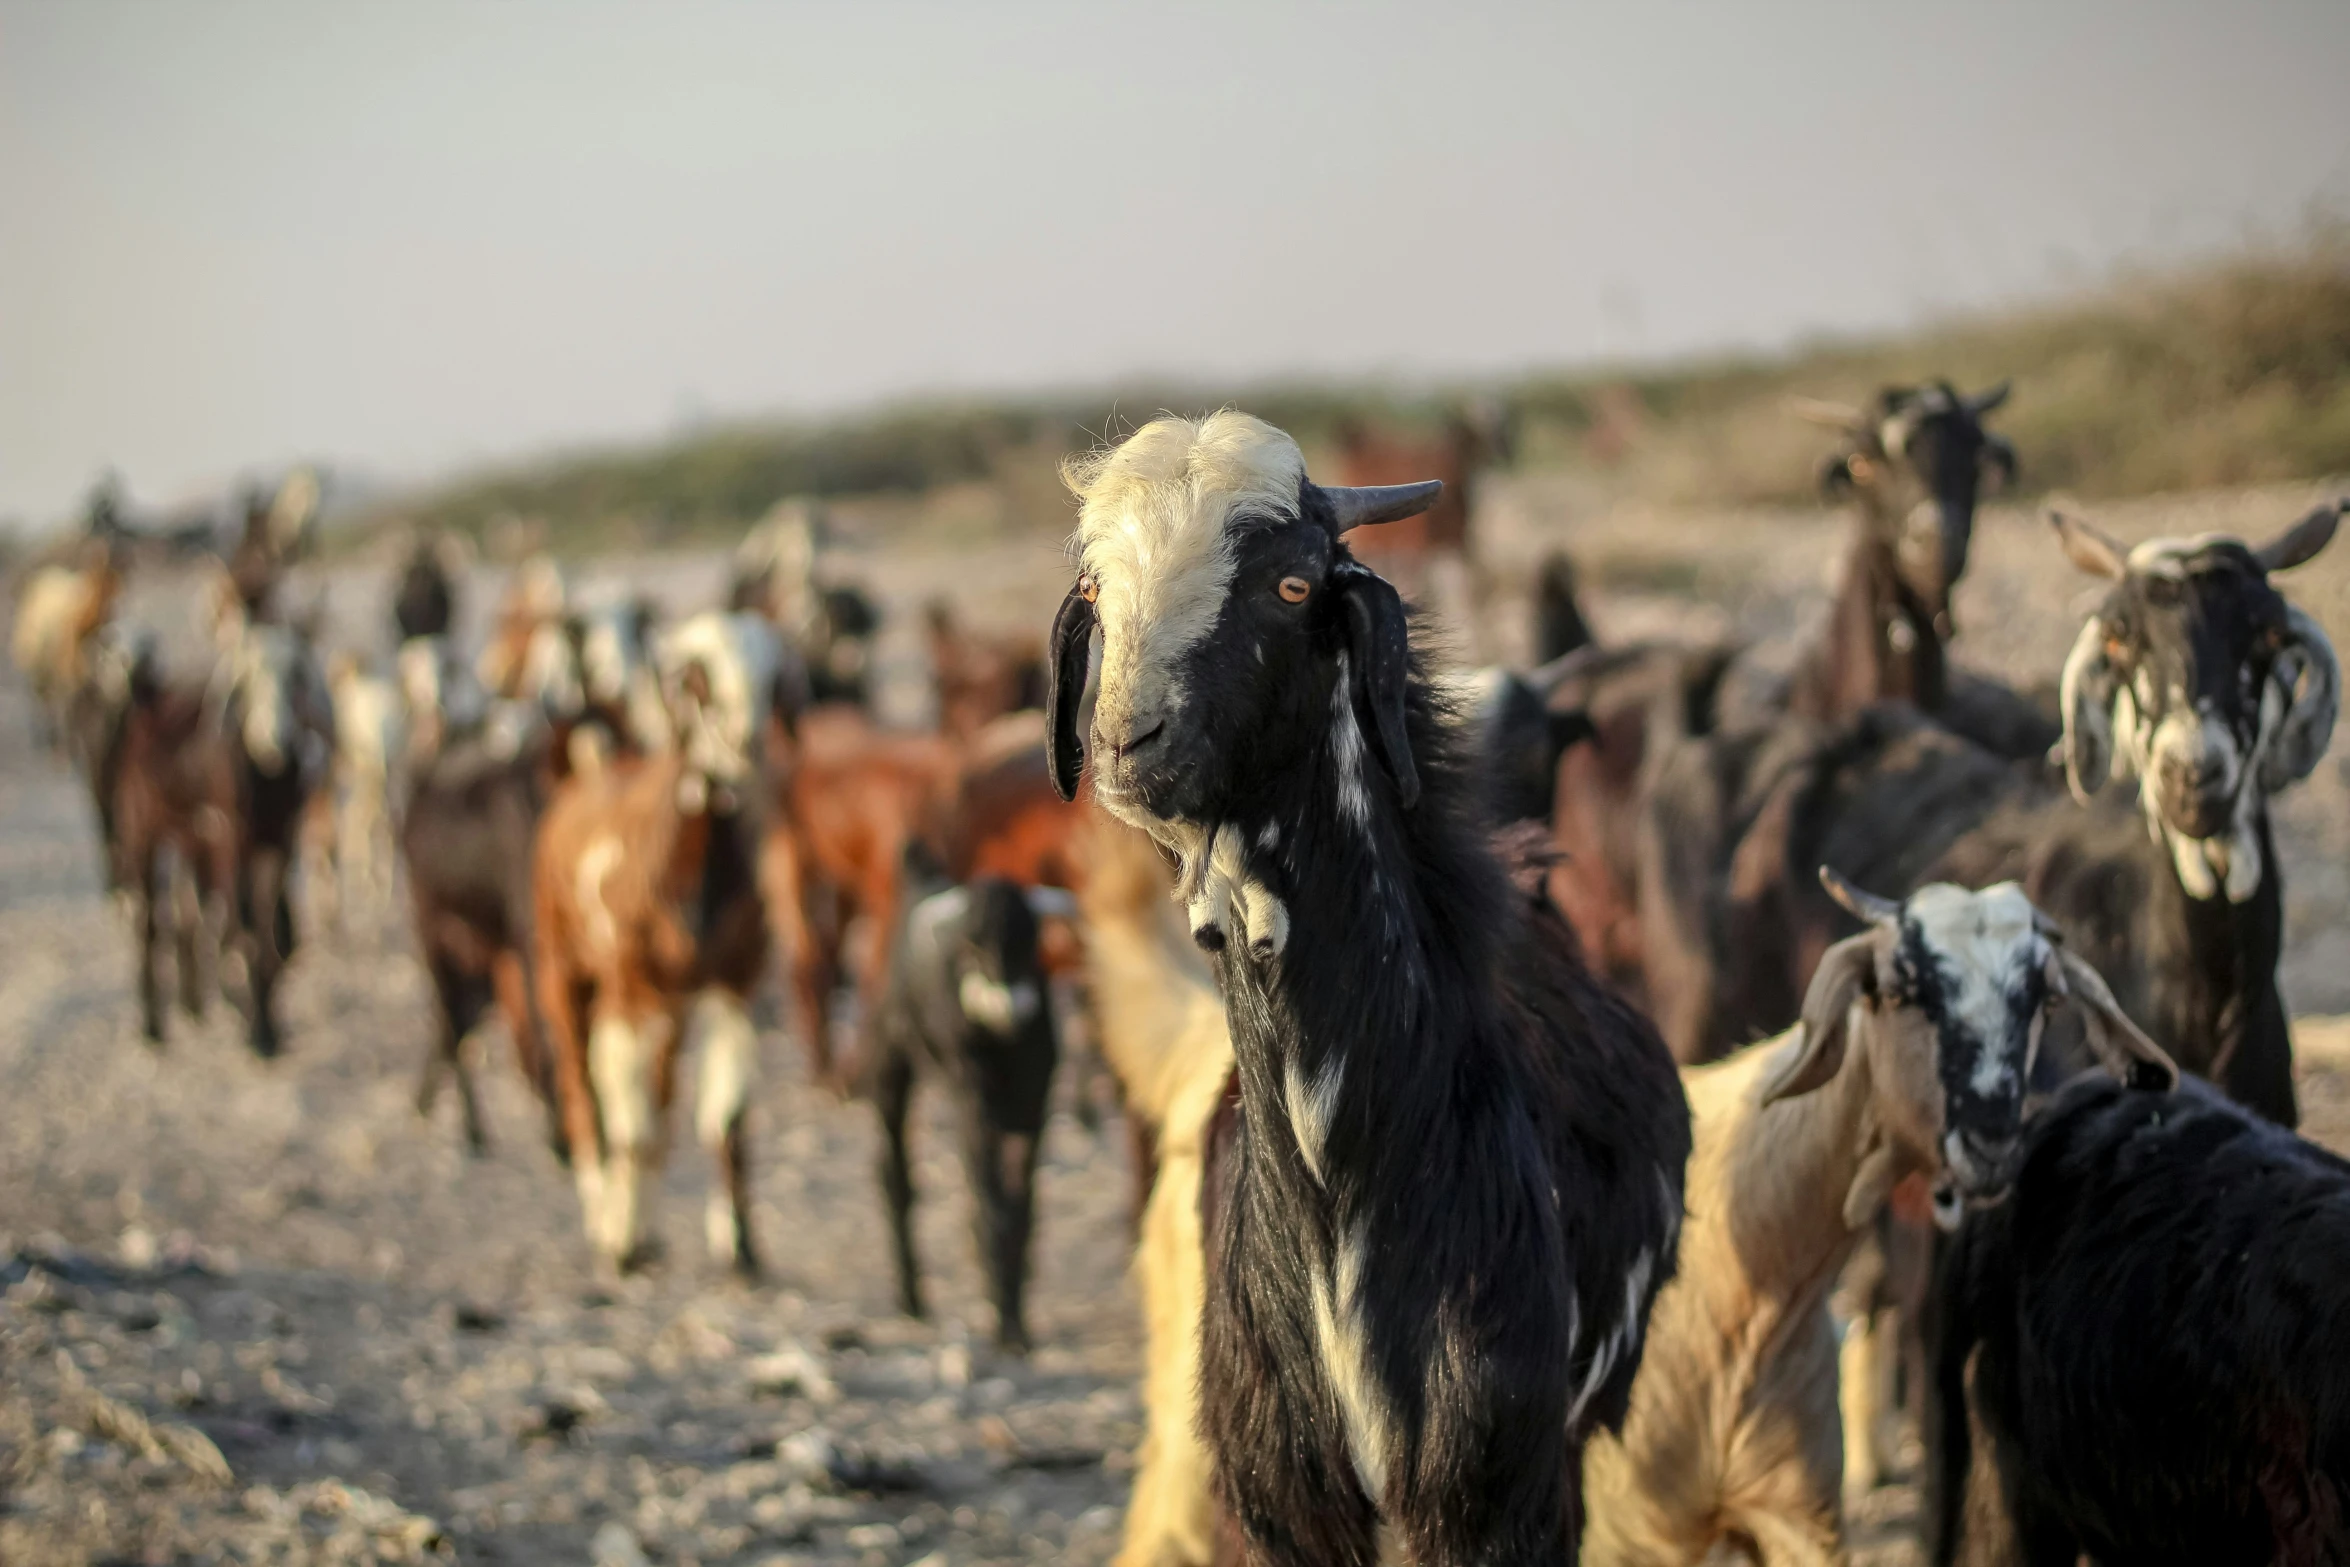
(262,1312)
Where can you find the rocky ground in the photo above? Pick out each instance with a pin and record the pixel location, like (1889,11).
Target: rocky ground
(261,1312)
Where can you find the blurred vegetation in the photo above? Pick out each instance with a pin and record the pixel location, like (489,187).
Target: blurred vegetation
(2233,372)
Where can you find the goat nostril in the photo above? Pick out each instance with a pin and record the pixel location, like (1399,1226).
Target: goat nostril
(1135,742)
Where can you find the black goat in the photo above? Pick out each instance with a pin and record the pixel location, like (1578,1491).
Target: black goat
(1456,1179)
(425,602)
(968,1000)
(1519,740)
(2155,1321)
(472,814)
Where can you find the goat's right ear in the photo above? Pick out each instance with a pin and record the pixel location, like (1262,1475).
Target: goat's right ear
(1846,972)
(2086,697)
(1072,645)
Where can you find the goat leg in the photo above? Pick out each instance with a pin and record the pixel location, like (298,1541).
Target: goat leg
(1002,1167)
(727,1049)
(893,1090)
(517,987)
(187,922)
(150,988)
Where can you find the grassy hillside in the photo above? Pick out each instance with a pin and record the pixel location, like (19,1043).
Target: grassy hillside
(2232,372)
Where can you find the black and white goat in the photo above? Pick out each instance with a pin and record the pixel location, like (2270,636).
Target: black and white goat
(2151,1329)
(1457,1174)
(968,1001)
(1912,1058)
(2201,678)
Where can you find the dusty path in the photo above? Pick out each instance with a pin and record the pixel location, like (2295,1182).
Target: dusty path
(284,1259)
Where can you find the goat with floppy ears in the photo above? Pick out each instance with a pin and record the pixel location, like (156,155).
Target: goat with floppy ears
(1453,1184)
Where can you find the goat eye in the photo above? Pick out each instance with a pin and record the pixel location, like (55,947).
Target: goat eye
(1295,589)
(1089,587)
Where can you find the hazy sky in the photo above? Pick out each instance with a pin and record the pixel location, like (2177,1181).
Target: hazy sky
(408,237)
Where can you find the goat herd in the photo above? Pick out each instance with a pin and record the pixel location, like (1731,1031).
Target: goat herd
(1587,1112)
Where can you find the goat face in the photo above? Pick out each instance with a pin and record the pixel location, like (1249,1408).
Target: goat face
(2213,687)
(984,938)
(1921,457)
(1954,988)
(726,677)
(1234,626)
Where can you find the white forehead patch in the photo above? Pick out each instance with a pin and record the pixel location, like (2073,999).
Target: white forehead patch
(1987,941)
(1152,529)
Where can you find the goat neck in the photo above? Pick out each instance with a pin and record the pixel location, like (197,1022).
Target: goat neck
(1338,918)
(1791,1176)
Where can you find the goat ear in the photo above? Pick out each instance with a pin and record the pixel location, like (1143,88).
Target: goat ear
(1379,656)
(2309,677)
(2087,700)
(1072,645)
(2090,547)
(2120,1046)
(1845,973)
(2302,540)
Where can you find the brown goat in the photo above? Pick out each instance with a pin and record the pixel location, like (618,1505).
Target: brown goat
(647,909)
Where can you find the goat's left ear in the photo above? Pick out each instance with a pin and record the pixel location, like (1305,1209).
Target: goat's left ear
(1846,970)
(1379,655)
(1072,645)
(2120,1046)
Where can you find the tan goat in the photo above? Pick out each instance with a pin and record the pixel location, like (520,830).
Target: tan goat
(1161,1024)
(1915,1048)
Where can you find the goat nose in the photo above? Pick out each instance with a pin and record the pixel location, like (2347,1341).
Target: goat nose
(1137,739)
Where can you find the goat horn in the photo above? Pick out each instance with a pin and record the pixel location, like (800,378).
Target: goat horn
(1865,906)
(1987,399)
(1357,506)
(1841,416)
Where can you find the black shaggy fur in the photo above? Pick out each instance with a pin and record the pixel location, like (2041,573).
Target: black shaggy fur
(998,1068)
(2157,1321)
(1503,1150)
